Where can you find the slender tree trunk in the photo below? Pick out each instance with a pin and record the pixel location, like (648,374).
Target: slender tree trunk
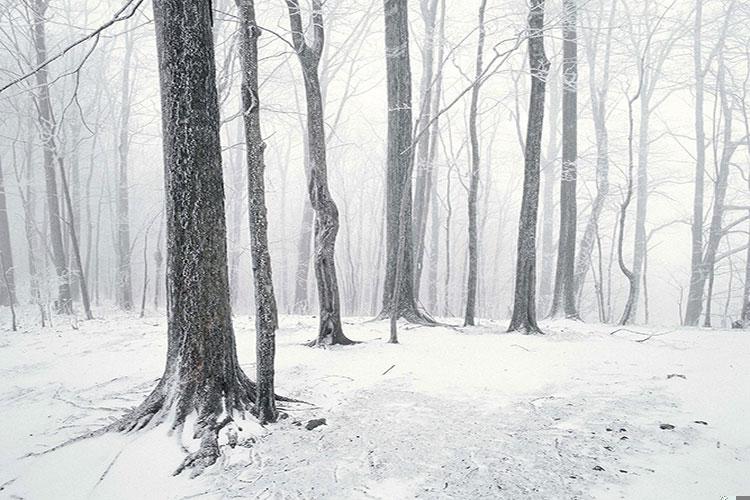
(266,315)
(695,291)
(524,304)
(158,259)
(326,213)
(8,291)
(424,167)
(745,319)
(47,126)
(564,298)
(548,249)
(640,241)
(123,282)
(471,286)
(598,95)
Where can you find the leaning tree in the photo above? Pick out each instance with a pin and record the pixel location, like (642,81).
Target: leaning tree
(202,375)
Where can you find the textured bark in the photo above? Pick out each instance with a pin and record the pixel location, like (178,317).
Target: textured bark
(266,315)
(471,285)
(326,213)
(202,375)
(47,126)
(8,289)
(123,279)
(398,182)
(599,89)
(424,173)
(524,304)
(564,298)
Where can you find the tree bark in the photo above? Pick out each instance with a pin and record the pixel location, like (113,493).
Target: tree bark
(599,89)
(471,285)
(47,127)
(202,375)
(524,304)
(398,183)
(564,298)
(123,280)
(424,167)
(326,213)
(8,290)
(266,315)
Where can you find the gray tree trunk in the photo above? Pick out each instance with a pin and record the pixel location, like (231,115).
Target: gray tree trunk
(599,89)
(524,304)
(47,127)
(695,290)
(564,298)
(471,285)
(8,289)
(202,374)
(398,183)
(422,185)
(326,213)
(123,279)
(266,315)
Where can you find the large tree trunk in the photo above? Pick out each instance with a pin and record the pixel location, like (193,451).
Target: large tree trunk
(524,304)
(266,316)
(564,298)
(47,128)
(202,374)
(398,183)
(471,285)
(123,280)
(326,213)
(598,94)
(8,287)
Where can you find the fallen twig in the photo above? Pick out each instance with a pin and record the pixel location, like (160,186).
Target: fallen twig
(389,369)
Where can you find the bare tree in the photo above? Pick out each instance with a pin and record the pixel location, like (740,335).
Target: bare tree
(563,297)
(266,315)
(398,183)
(524,304)
(326,213)
(202,374)
(471,287)
(47,129)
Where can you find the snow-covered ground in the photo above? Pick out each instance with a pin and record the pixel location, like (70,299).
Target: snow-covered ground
(448,413)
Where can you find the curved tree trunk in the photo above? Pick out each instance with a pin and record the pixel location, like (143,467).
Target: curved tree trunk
(524,303)
(8,287)
(326,213)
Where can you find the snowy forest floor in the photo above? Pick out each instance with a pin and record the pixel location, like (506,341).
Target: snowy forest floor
(448,413)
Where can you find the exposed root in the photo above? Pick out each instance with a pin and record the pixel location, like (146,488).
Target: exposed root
(209,451)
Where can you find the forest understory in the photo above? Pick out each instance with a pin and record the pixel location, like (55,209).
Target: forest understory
(450,412)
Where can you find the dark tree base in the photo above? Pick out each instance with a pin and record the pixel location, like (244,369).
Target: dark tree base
(411,313)
(214,407)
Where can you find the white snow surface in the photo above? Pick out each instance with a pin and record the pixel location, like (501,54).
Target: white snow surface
(462,413)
